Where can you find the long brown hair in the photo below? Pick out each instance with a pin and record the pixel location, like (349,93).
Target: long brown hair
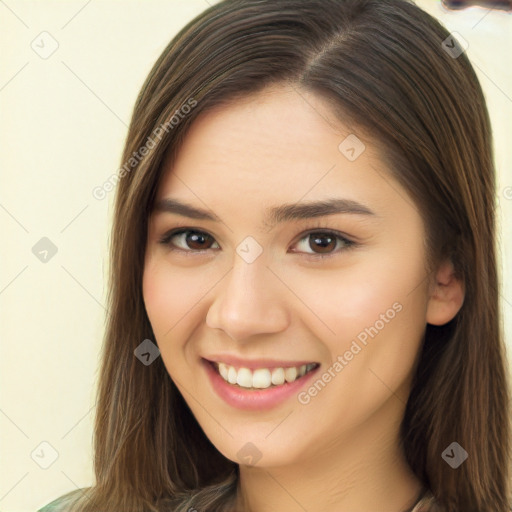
(386,68)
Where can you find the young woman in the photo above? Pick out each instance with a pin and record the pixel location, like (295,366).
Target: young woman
(305,228)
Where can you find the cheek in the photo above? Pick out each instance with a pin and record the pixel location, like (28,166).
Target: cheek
(353,297)
(164,307)
(380,303)
(169,294)
(377,312)
(160,298)
(388,313)
(173,301)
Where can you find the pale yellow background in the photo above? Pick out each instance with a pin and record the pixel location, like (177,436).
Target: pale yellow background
(62,127)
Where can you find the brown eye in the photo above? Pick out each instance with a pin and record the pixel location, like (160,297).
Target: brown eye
(198,240)
(189,240)
(323,242)
(313,244)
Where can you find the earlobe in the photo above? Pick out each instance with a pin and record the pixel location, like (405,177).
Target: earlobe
(446,297)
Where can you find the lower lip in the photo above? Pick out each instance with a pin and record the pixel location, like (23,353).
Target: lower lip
(254,400)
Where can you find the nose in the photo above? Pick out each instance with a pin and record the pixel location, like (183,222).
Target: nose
(249,301)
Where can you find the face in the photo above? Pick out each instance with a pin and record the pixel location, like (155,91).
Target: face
(338,289)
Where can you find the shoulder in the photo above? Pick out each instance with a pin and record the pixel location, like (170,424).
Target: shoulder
(62,503)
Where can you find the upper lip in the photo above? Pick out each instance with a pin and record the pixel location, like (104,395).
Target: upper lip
(253,364)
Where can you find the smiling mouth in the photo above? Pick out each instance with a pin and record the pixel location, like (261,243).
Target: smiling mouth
(261,378)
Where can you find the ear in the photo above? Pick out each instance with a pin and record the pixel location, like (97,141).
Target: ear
(446,295)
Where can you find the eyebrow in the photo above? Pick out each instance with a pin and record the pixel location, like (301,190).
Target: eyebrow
(274,215)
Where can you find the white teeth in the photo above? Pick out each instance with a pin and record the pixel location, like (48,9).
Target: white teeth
(277,376)
(232,375)
(244,378)
(223,370)
(290,374)
(262,378)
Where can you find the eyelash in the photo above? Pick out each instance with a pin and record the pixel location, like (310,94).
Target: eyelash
(348,244)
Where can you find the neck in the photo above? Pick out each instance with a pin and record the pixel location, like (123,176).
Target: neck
(366,470)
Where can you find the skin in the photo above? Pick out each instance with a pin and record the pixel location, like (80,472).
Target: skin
(340,451)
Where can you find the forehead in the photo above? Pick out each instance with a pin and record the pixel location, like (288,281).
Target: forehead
(280,122)
(279,146)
